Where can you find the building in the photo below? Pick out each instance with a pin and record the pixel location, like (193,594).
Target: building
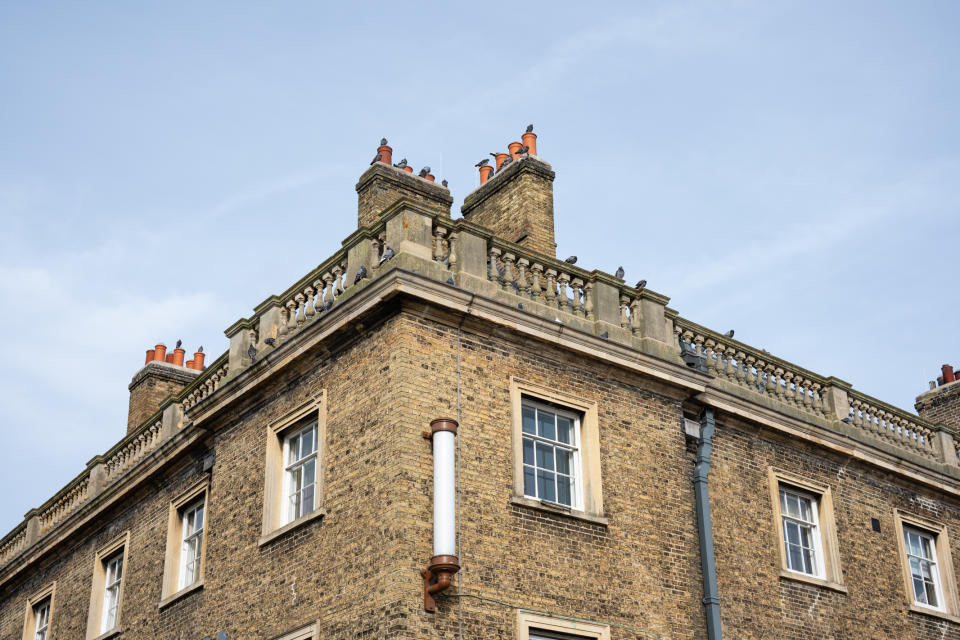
(443,431)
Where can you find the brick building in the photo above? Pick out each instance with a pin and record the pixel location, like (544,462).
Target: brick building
(602,467)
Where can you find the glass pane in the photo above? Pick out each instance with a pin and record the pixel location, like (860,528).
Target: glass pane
(527,451)
(809,561)
(805,537)
(544,456)
(564,429)
(783,501)
(791,530)
(563,491)
(546,486)
(932,595)
(913,544)
(564,460)
(529,486)
(915,570)
(308,498)
(546,425)
(199,521)
(529,420)
(795,557)
(310,472)
(925,545)
(919,592)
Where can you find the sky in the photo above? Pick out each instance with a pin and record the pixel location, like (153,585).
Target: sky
(790,170)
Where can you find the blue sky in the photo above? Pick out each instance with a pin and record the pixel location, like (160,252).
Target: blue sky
(787,169)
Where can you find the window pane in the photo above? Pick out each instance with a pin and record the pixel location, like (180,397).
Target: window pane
(544,456)
(932,595)
(564,429)
(795,558)
(546,486)
(919,592)
(564,461)
(529,485)
(563,490)
(529,420)
(804,505)
(310,472)
(308,498)
(527,451)
(791,531)
(198,524)
(546,425)
(307,447)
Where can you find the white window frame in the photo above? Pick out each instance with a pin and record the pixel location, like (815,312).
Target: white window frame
(190,575)
(294,508)
(41,614)
(111,591)
(33,624)
(529,624)
(576,469)
(929,540)
(97,617)
(948,603)
(175,562)
(813,524)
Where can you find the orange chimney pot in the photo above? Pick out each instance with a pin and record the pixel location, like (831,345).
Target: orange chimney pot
(431,178)
(169,358)
(178,357)
(530,141)
(198,360)
(386,154)
(151,354)
(189,364)
(514,149)
(160,352)
(408,169)
(485,172)
(500,158)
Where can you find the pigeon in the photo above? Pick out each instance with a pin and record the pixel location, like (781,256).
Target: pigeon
(571,260)
(252,353)
(728,334)
(524,150)
(444,182)
(640,285)
(483,163)
(377,158)
(423,172)
(506,161)
(387,254)
(361,274)
(179,342)
(268,341)
(200,350)
(402,164)
(619,273)
(383,142)
(848,420)
(529,128)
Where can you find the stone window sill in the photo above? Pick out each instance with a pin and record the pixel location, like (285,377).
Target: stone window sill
(316,514)
(557,509)
(915,608)
(109,634)
(820,582)
(196,586)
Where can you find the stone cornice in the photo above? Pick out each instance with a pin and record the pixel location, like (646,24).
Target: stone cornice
(163,371)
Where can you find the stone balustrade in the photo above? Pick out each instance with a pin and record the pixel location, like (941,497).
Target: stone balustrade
(895,426)
(64,505)
(13,543)
(212,379)
(131,450)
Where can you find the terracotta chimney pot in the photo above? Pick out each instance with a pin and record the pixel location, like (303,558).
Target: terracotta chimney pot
(947,373)
(151,354)
(160,352)
(386,154)
(485,172)
(514,149)
(408,169)
(189,364)
(530,140)
(169,358)
(198,360)
(178,357)
(500,158)
(431,178)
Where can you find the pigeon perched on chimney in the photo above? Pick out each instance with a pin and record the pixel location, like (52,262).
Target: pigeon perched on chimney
(728,334)
(506,161)
(361,274)
(640,285)
(387,254)
(444,183)
(524,150)
(529,128)
(200,350)
(571,260)
(179,342)
(619,274)
(377,158)
(269,341)
(383,142)
(252,353)
(402,164)
(423,172)
(483,163)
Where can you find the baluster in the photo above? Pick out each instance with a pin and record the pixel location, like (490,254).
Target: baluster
(327,301)
(536,289)
(808,401)
(452,254)
(816,400)
(437,248)
(771,382)
(508,281)
(789,393)
(588,310)
(299,300)
(291,316)
(730,370)
(493,270)
(563,301)
(338,272)
(711,353)
(374,255)
(317,303)
(523,288)
(551,286)
(624,318)
(742,368)
(636,314)
(698,343)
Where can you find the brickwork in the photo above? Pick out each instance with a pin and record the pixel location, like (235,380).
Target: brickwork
(517,205)
(151,386)
(380,186)
(941,405)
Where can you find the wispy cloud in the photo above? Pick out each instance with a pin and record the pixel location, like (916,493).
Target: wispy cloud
(274,187)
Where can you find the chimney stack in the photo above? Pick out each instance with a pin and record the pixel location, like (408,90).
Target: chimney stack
(516,203)
(941,404)
(162,375)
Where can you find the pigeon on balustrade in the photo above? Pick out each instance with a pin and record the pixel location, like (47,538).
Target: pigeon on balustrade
(377,158)
(361,274)
(620,273)
(728,334)
(640,285)
(402,164)
(387,254)
(252,353)
(483,163)
(571,260)
(444,183)
(423,172)
(268,341)
(383,142)
(529,128)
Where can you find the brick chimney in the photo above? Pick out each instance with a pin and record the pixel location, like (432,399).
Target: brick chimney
(383,184)
(160,377)
(941,404)
(516,204)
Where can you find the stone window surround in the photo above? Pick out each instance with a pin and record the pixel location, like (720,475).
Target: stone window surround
(119,544)
(948,584)
(30,621)
(592,493)
(528,621)
(827,530)
(303,633)
(273,499)
(171,559)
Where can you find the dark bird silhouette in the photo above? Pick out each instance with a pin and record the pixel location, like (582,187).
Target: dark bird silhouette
(377,158)
(848,420)
(619,273)
(402,164)
(383,142)
(506,161)
(200,350)
(361,274)
(423,172)
(728,334)
(387,254)
(179,342)
(268,341)
(571,260)
(641,284)
(524,150)
(252,353)
(444,182)
(483,163)
(492,154)
(529,128)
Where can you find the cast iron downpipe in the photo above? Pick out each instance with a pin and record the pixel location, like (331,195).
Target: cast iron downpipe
(711,596)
